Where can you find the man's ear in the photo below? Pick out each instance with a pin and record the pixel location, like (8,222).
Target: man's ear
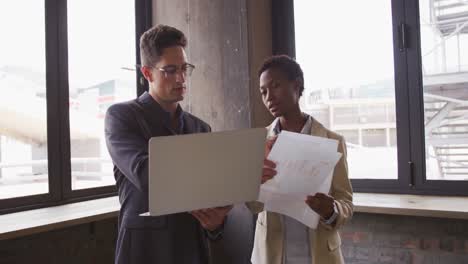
(146,71)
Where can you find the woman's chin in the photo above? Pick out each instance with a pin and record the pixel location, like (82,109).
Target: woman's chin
(275,113)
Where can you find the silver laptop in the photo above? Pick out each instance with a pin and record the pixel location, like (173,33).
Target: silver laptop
(197,171)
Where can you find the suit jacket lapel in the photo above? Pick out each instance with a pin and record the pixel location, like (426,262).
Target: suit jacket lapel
(189,124)
(155,116)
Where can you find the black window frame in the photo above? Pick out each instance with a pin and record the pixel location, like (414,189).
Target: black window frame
(409,101)
(58,121)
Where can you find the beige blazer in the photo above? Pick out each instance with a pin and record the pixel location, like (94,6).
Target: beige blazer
(325,241)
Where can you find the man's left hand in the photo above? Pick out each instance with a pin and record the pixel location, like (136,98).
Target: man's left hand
(212,218)
(322,204)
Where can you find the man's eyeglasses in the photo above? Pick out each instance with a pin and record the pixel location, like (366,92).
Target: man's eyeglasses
(185,69)
(170,70)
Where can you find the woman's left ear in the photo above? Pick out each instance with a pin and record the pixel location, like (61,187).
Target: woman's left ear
(298,84)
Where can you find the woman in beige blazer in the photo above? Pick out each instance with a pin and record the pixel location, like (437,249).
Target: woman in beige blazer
(280,239)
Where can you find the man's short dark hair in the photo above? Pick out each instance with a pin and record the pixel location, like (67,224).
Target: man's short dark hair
(287,65)
(156,39)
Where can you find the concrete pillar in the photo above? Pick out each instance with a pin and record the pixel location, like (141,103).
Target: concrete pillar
(227,42)
(260,47)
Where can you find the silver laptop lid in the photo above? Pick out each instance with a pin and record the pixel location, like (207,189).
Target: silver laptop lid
(196,171)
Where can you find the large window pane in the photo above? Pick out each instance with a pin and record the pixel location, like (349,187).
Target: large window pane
(444,50)
(101,42)
(23,120)
(349,78)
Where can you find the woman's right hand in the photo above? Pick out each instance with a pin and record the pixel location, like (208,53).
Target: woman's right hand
(268,165)
(268,170)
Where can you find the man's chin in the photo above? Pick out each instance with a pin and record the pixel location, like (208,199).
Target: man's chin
(178,98)
(180,95)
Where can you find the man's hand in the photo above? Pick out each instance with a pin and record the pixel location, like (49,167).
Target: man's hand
(212,218)
(322,204)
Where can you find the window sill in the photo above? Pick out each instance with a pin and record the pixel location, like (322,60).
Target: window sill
(51,218)
(411,205)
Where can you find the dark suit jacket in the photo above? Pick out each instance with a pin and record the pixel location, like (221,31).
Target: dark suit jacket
(177,238)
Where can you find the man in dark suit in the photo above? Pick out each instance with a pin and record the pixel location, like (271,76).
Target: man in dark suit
(177,238)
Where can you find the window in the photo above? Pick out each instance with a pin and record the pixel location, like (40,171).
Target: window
(351,66)
(391,77)
(97,79)
(444,55)
(62,64)
(351,136)
(374,138)
(23,107)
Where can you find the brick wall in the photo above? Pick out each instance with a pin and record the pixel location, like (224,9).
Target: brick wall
(372,238)
(82,244)
(368,238)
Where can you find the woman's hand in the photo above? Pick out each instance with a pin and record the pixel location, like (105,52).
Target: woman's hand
(268,166)
(322,204)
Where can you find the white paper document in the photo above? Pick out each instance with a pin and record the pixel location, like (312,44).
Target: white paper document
(304,167)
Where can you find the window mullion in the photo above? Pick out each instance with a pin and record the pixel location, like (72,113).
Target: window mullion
(53,98)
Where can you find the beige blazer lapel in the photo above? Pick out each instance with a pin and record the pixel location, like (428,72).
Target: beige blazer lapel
(317,129)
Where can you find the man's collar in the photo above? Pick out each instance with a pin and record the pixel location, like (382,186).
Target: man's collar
(147,100)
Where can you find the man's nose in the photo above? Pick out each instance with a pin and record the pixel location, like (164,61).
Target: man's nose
(180,76)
